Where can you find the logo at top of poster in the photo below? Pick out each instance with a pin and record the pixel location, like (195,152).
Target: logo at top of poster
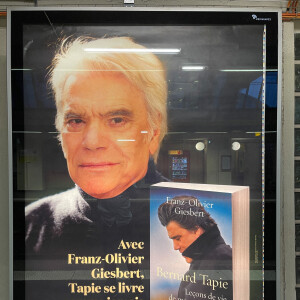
(254,17)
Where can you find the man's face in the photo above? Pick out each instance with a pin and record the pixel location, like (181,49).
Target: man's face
(105,136)
(182,238)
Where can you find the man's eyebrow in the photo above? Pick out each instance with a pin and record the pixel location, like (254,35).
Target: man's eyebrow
(174,237)
(112,113)
(119,112)
(72,115)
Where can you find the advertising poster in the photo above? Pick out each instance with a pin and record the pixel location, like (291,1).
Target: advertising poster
(116,112)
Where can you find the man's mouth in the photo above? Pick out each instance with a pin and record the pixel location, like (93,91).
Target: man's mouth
(98,165)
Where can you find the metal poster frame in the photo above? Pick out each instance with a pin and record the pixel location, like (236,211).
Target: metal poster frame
(263,17)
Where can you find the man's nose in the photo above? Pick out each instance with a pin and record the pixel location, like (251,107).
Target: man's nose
(95,136)
(176,245)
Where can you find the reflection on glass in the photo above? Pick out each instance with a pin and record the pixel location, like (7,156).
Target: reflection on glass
(297,237)
(297,78)
(297,174)
(297,206)
(297,46)
(297,270)
(297,110)
(235,146)
(200,146)
(297,142)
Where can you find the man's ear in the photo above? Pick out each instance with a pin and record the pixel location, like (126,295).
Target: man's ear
(154,141)
(199,231)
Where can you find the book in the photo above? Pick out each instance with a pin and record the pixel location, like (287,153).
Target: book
(199,237)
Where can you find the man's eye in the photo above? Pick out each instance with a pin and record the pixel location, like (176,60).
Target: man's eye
(75,121)
(117,121)
(75,124)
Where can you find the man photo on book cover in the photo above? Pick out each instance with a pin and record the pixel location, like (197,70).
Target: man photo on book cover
(197,237)
(110,95)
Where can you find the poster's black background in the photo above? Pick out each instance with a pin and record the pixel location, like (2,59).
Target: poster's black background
(52,20)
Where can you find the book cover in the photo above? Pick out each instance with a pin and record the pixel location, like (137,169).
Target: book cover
(199,237)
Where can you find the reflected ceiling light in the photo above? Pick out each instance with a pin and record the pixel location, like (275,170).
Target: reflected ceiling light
(126,140)
(135,50)
(260,132)
(106,70)
(200,146)
(235,146)
(192,68)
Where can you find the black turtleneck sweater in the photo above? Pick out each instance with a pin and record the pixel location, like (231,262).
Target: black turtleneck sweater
(212,259)
(73,222)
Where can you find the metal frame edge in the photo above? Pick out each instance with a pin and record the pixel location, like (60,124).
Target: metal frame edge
(142,8)
(10,170)
(279,284)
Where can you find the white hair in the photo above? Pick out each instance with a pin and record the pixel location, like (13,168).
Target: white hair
(143,69)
